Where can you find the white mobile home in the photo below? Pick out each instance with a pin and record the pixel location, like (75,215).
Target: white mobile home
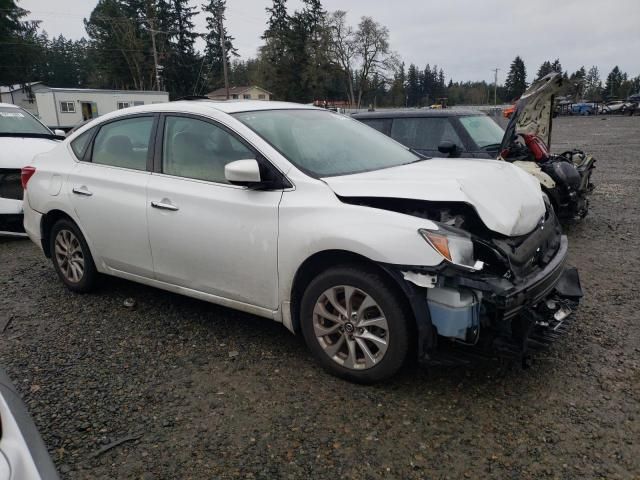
(22,95)
(66,107)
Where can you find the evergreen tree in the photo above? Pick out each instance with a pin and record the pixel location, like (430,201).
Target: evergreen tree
(556,66)
(212,75)
(21,49)
(516,82)
(544,69)
(122,44)
(275,53)
(414,88)
(612,88)
(180,61)
(398,90)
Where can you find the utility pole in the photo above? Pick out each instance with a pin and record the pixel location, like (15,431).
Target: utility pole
(155,54)
(495,86)
(223,47)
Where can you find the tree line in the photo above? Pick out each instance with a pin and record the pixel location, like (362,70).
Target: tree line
(306,55)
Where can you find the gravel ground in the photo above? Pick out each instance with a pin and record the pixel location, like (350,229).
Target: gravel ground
(200,391)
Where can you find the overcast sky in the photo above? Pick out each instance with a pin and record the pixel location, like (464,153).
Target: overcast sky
(467,38)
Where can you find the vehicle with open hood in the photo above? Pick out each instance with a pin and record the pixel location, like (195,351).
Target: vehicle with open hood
(311,219)
(565,178)
(22,136)
(462,133)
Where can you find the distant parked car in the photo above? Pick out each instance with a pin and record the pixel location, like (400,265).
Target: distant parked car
(618,106)
(582,109)
(21,137)
(565,178)
(439,133)
(23,454)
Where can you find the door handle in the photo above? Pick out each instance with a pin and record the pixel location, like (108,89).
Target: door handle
(82,191)
(164,206)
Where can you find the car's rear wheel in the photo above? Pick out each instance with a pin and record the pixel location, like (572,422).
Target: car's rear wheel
(355,324)
(71,257)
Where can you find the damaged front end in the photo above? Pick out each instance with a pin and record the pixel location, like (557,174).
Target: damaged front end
(493,295)
(565,178)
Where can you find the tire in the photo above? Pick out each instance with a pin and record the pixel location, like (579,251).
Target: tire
(71,257)
(366,344)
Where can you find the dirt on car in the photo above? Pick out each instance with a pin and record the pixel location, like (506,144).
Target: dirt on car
(135,382)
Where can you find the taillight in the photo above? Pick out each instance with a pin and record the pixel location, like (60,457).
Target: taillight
(25,175)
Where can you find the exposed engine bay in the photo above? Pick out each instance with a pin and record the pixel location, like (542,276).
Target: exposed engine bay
(517,297)
(565,178)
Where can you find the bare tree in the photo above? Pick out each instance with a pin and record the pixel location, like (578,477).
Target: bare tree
(343,49)
(372,47)
(361,54)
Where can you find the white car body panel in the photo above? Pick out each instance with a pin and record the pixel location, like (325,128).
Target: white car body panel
(15,153)
(506,198)
(114,215)
(240,247)
(227,236)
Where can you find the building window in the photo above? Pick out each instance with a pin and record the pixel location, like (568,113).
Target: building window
(261,96)
(68,107)
(246,96)
(234,96)
(122,105)
(137,103)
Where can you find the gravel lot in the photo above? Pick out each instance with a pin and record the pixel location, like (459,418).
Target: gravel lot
(205,392)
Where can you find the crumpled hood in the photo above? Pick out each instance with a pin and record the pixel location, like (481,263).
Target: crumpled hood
(534,111)
(17,152)
(507,199)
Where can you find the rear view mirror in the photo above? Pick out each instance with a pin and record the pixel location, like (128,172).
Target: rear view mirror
(242,172)
(449,148)
(59,133)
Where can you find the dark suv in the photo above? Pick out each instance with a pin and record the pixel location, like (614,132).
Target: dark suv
(439,133)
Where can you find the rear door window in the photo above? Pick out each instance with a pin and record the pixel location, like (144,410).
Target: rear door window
(424,133)
(124,143)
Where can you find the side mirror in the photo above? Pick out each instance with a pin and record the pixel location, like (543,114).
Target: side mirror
(449,148)
(243,172)
(58,132)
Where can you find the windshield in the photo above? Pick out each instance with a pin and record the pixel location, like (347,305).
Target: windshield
(482,130)
(16,121)
(325,144)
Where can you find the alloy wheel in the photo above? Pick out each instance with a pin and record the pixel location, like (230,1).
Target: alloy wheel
(69,255)
(350,327)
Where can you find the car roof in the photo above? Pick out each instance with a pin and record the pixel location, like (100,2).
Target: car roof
(195,106)
(229,106)
(10,105)
(414,113)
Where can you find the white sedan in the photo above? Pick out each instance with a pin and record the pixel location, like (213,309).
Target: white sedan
(308,218)
(22,136)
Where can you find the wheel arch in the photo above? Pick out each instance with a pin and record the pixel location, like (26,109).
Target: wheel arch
(48,221)
(325,259)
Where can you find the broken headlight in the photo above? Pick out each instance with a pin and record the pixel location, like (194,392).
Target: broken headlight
(453,244)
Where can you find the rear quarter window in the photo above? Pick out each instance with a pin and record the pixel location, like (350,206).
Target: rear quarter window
(79,145)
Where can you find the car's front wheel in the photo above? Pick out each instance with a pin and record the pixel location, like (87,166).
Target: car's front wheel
(355,323)
(71,257)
